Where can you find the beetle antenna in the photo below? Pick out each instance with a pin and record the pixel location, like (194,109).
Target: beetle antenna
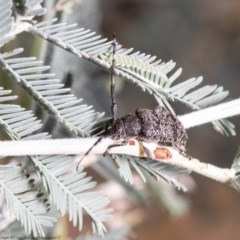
(114,105)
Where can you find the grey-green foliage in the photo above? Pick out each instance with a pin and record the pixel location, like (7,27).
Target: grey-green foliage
(236,170)
(155,168)
(6,22)
(71,191)
(151,75)
(47,90)
(21,200)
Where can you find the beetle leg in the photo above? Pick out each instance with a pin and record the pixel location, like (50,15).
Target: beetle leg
(143,149)
(123,143)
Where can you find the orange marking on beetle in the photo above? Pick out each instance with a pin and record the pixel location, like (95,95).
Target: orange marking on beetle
(131,142)
(162,153)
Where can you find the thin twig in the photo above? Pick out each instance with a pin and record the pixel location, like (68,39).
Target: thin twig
(71,146)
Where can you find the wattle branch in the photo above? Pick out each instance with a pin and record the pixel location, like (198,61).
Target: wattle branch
(79,146)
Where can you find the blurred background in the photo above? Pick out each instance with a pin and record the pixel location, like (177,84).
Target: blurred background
(202,37)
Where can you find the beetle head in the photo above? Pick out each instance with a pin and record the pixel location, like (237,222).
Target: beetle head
(126,127)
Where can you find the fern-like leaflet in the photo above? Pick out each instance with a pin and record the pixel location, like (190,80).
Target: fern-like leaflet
(47,90)
(13,17)
(6,22)
(69,190)
(145,71)
(155,168)
(23,202)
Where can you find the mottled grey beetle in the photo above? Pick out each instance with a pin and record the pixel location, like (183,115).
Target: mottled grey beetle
(158,126)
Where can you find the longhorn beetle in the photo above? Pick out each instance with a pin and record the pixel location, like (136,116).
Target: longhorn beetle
(158,125)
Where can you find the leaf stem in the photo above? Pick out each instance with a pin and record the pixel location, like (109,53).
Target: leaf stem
(220,111)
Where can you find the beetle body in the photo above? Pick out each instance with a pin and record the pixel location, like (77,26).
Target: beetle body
(158,126)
